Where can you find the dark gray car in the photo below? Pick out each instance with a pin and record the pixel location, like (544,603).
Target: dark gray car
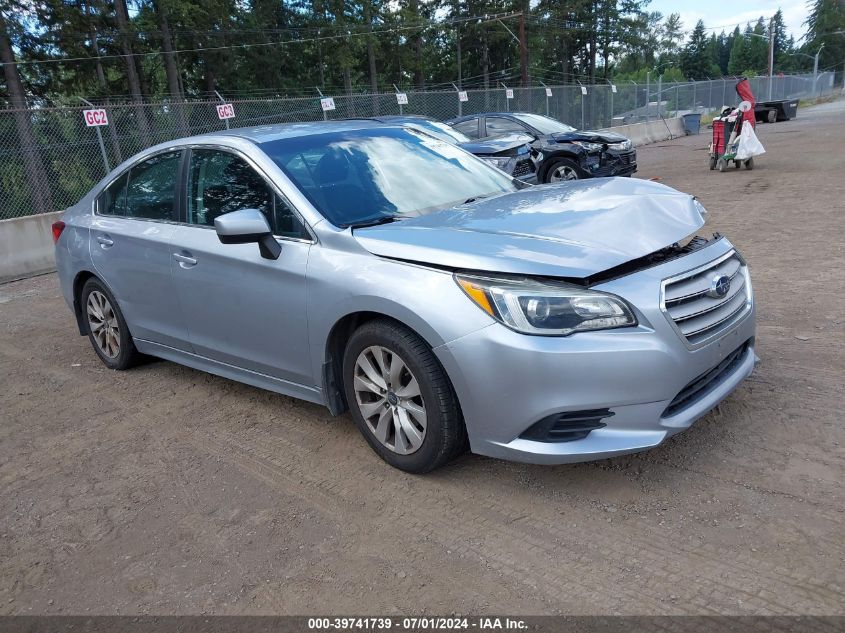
(561,151)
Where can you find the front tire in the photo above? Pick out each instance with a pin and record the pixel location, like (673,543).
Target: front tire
(106,327)
(400,397)
(562,170)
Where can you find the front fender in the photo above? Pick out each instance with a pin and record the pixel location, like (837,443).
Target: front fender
(426,300)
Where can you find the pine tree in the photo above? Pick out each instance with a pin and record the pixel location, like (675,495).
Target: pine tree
(740,57)
(825,25)
(695,61)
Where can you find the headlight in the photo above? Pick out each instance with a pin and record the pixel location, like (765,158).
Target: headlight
(590,147)
(700,208)
(538,156)
(498,161)
(545,308)
(621,146)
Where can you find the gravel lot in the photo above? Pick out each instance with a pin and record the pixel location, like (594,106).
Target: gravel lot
(166,490)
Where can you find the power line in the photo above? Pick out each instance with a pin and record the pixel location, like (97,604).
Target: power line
(366,33)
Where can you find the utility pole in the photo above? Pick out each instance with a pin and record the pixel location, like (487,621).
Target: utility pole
(771,55)
(523,50)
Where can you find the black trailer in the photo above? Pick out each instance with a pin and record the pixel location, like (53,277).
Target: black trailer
(771,111)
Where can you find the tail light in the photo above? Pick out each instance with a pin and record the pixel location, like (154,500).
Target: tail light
(58,227)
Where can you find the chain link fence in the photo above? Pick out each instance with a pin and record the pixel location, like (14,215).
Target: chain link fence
(49,158)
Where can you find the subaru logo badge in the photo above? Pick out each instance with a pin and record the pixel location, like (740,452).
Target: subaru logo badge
(720,285)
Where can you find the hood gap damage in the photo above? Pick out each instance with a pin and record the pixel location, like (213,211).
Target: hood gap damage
(661,256)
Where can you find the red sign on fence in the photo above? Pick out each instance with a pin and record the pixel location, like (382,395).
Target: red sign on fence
(225,111)
(95,118)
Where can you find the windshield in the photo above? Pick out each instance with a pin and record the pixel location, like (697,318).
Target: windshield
(361,176)
(544,124)
(440,130)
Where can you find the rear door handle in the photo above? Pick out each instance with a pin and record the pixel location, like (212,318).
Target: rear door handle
(185,261)
(105,241)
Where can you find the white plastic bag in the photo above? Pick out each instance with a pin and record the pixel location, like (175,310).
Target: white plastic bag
(749,146)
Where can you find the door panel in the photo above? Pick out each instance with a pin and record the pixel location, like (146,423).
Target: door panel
(130,248)
(133,258)
(240,308)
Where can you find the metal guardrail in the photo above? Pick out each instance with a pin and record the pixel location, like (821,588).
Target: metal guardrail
(72,158)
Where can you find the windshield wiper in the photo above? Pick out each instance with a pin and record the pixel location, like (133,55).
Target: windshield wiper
(470,200)
(384,219)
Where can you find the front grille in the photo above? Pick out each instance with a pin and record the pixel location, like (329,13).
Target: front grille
(523,168)
(626,159)
(567,427)
(700,314)
(706,382)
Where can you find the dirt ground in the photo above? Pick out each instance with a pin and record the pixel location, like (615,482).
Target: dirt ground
(166,490)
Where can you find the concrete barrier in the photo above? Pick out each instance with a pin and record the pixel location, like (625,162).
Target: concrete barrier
(26,246)
(652,131)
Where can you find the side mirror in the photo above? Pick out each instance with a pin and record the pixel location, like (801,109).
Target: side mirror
(245,227)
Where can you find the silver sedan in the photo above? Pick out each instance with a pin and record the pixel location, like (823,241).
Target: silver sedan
(376,269)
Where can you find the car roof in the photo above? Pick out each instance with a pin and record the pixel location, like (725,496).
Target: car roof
(480,114)
(391,118)
(265,133)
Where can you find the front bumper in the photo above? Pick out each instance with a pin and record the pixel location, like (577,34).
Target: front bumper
(521,167)
(613,163)
(507,381)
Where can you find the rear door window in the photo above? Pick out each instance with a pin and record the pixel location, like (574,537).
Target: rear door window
(151,191)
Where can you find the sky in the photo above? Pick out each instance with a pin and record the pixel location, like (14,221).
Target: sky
(729,13)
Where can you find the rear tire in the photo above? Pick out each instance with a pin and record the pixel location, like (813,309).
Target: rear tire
(722,164)
(106,327)
(400,398)
(712,163)
(749,164)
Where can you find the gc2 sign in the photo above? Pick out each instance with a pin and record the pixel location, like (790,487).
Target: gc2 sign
(462,96)
(327,103)
(402,98)
(95,118)
(225,111)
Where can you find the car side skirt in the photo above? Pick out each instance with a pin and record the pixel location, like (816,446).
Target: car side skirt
(238,374)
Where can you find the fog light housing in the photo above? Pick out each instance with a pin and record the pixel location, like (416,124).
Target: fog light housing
(568,426)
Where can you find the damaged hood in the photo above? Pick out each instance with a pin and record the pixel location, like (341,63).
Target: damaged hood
(588,136)
(568,230)
(496,144)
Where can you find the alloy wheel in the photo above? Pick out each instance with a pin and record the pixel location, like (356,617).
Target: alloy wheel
(389,399)
(102,321)
(562,173)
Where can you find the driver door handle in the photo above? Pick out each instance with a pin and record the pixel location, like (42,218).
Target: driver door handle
(105,241)
(185,261)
